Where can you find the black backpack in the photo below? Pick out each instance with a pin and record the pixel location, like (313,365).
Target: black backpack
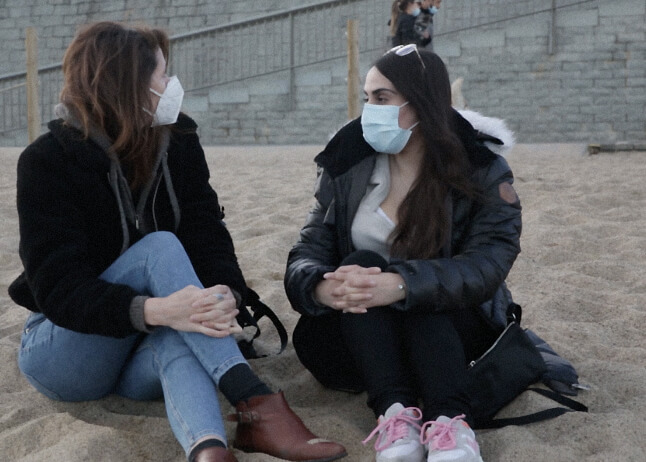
(517,360)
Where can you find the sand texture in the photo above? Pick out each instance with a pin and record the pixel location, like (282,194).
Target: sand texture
(581,279)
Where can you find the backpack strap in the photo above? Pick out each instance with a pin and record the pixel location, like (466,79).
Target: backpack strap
(570,406)
(260,309)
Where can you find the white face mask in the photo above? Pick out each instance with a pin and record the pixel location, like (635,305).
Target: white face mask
(381,130)
(170,102)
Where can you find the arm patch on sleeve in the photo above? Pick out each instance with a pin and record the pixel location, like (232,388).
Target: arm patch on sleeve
(507,193)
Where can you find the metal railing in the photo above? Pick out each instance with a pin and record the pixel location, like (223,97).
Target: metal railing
(278,42)
(260,46)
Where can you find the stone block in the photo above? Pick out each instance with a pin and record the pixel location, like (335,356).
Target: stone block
(314,78)
(527,29)
(446,48)
(276,86)
(223,95)
(622,8)
(197,103)
(577,18)
(42,10)
(484,39)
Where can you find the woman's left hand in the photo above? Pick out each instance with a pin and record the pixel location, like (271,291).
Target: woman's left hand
(217,310)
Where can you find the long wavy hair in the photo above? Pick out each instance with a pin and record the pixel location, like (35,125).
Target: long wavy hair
(423,218)
(107,71)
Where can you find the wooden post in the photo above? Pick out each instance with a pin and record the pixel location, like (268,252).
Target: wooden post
(33,111)
(353,69)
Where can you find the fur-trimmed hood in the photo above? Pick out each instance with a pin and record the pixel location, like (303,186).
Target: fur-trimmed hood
(492,127)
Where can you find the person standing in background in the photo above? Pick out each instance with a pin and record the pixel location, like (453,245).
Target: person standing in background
(405,30)
(392,22)
(424,23)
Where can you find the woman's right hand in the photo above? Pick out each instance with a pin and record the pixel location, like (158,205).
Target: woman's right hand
(211,311)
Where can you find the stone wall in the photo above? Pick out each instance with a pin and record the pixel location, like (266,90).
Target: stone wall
(591,88)
(586,82)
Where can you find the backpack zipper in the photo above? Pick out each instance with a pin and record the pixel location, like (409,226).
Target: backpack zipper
(476,361)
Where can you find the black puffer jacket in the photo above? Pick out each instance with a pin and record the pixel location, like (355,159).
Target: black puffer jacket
(484,237)
(71,228)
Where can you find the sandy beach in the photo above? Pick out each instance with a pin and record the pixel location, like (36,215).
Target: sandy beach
(581,279)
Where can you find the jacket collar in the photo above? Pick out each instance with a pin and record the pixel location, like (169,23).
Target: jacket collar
(348,147)
(84,150)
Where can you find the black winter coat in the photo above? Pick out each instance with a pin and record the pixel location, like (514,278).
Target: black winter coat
(70,228)
(484,237)
(405,32)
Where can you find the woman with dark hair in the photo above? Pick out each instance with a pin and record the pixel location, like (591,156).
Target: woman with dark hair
(399,270)
(129,270)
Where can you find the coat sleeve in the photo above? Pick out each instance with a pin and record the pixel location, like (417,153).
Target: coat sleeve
(315,253)
(54,248)
(482,257)
(202,230)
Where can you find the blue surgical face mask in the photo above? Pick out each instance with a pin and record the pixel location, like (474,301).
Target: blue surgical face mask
(381,130)
(433,9)
(416,12)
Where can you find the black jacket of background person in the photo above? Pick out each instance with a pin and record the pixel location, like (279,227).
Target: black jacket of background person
(71,228)
(405,32)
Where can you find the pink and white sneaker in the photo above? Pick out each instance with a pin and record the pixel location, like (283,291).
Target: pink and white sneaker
(450,440)
(398,435)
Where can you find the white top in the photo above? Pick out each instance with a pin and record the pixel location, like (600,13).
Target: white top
(371,226)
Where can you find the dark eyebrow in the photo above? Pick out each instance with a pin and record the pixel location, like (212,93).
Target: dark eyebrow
(379,90)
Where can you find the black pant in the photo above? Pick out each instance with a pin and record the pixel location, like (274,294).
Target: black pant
(396,356)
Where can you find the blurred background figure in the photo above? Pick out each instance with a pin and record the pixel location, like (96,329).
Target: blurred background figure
(424,23)
(409,11)
(392,22)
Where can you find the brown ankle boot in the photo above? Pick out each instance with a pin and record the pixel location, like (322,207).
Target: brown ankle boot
(266,424)
(215,454)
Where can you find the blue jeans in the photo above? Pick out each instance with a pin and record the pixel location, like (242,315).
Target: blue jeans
(183,367)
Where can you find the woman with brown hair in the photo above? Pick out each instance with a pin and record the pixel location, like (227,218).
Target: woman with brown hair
(129,270)
(400,267)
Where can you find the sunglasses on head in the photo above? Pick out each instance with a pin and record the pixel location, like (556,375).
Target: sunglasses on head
(403,50)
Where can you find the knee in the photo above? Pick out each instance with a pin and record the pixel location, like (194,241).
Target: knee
(163,246)
(164,339)
(365,258)
(161,241)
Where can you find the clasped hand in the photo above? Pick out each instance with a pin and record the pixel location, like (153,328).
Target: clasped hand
(211,311)
(355,289)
